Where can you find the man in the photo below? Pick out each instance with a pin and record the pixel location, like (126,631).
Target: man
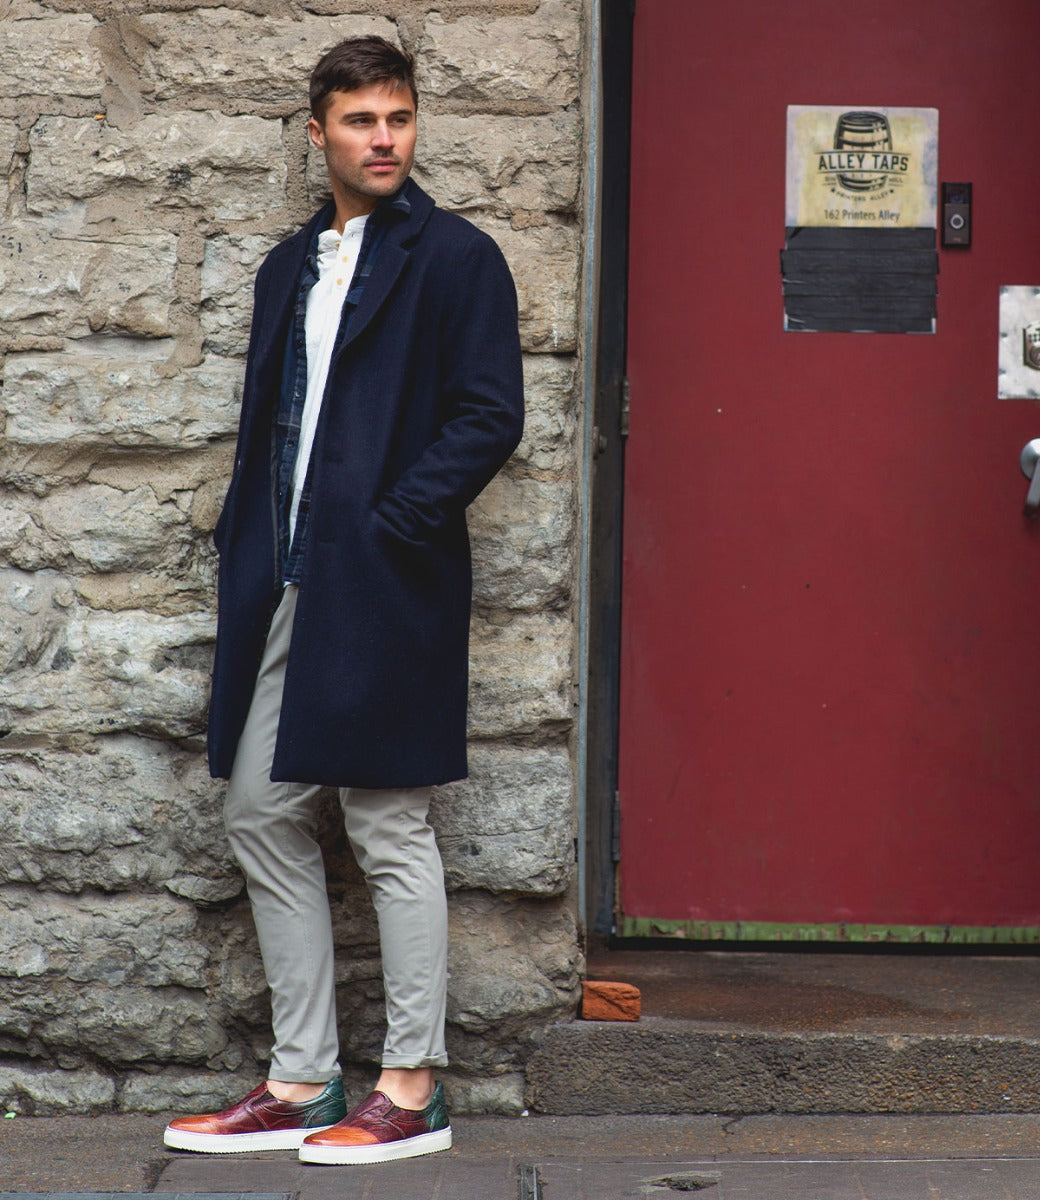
(383,391)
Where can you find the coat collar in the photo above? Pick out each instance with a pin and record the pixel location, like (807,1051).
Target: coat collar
(406,213)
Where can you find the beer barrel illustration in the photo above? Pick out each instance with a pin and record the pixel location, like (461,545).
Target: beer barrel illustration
(859,131)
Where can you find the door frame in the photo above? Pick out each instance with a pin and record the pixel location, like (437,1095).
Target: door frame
(608,418)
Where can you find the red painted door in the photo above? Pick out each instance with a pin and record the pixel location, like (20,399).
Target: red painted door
(830,707)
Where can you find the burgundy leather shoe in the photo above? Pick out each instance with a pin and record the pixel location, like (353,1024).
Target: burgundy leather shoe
(378,1131)
(259,1122)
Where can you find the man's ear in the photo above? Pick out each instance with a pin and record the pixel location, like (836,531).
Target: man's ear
(316,134)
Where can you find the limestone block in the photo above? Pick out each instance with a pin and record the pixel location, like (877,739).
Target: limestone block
(510,963)
(42,1091)
(529,162)
(122,1025)
(207,503)
(170,476)
(362,1008)
(164,595)
(106,672)
(550,420)
(56,284)
(109,942)
(21,539)
(50,55)
(229,266)
(317,178)
(120,814)
(180,1091)
(493,1095)
(523,534)
(231,166)
(545,262)
(499,60)
(8,142)
(520,675)
(241,986)
(100,527)
(35,608)
(115,392)
(251,58)
(509,827)
(108,529)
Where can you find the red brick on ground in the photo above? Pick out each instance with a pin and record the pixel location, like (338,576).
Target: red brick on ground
(603,1001)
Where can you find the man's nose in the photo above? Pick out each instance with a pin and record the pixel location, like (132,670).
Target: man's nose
(382,135)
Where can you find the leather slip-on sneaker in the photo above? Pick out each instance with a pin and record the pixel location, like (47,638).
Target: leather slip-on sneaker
(260,1121)
(378,1131)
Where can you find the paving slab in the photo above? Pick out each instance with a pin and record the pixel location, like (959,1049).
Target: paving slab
(118,1153)
(987,1179)
(145,1196)
(611,1156)
(439,1177)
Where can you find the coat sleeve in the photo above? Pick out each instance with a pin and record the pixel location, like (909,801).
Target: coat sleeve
(483,397)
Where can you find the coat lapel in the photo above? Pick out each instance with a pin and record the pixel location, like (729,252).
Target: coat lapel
(390,262)
(281,289)
(388,266)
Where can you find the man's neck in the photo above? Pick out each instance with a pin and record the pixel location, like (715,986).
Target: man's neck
(342,217)
(350,206)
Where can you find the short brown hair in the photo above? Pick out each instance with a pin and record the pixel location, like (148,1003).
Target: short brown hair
(356,63)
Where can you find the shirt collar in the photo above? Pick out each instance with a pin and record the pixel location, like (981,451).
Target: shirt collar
(398,206)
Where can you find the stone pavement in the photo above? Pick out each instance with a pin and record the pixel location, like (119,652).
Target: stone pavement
(563,1158)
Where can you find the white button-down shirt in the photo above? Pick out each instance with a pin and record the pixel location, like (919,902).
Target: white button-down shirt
(337,258)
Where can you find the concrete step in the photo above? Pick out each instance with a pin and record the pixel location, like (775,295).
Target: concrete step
(739,1033)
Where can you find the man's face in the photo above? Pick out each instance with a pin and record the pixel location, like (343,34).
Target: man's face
(368,138)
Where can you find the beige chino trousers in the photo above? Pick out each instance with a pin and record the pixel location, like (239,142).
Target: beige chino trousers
(272,829)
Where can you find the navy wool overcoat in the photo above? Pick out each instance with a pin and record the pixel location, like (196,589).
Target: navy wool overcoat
(424,404)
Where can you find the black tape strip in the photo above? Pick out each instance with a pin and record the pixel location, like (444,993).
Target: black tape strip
(883,262)
(821,324)
(812,237)
(868,283)
(868,307)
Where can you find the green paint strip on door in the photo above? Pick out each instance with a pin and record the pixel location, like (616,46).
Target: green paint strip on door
(773,931)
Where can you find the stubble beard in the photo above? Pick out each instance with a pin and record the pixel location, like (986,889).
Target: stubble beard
(359,183)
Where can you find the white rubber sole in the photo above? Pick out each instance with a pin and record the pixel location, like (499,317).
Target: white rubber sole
(237,1143)
(423,1143)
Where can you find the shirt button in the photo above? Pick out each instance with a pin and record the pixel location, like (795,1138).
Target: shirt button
(339,282)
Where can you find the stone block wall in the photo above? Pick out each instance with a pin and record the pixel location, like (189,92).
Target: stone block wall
(153,153)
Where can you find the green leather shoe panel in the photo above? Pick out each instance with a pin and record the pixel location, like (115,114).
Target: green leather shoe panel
(329,1107)
(436,1112)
